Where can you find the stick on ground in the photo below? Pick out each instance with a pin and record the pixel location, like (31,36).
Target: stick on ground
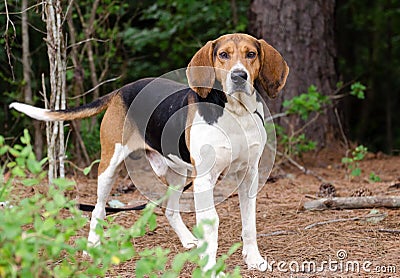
(343,220)
(353,203)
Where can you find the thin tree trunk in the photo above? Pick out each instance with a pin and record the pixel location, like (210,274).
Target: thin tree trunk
(303,32)
(27,88)
(57,58)
(26,61)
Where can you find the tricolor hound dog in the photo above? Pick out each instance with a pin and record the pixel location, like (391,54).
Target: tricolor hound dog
(239,64)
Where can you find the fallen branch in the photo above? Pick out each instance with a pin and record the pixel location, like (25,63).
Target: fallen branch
(277,233)
(390,231)
(357,218)
(353,203)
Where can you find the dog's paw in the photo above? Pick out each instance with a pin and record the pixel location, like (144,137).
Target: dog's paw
(190,244)
(260,265)
(254,260)
(189,241)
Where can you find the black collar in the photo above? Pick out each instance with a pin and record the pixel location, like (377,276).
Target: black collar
(259,115)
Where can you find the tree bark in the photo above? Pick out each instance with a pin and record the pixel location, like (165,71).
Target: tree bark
(57,60)
(303,32)
(26,61)
(27,88)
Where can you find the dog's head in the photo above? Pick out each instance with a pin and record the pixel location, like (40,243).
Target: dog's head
(240,62)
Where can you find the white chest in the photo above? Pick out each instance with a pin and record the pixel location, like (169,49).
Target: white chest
(233,139)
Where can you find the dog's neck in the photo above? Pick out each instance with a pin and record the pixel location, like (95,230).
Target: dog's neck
(241,103)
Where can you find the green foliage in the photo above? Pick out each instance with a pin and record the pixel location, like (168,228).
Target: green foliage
(305,103)
(295,142)
(294,145)
(352,163)
(40,235)
(374,177)
(169,32)
(358,90)
(89,168)
(369,49)
(19,161)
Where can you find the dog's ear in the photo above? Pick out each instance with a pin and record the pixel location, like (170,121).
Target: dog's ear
(200,71)
(273,71)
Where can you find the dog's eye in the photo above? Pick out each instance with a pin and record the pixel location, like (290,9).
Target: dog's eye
(251,55)
(223,55)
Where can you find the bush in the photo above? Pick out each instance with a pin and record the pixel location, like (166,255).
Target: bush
(39,235)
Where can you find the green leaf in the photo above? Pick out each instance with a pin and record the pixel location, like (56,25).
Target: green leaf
(357,89)
(27,137)
(152,222)
(179,261)
(43,161)
(30,182)
(64,183)
(234,248)
(3,149)
(143,267)
(89,168)
(13,152)
(17,171)
(26,151)
(197,273)
(11,164)
(356,172)
(33,166)
(374,178)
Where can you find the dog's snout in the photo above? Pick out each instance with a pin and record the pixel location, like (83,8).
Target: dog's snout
(238,76)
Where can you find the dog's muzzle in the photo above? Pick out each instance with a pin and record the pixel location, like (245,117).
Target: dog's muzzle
(238,77)
(239,81)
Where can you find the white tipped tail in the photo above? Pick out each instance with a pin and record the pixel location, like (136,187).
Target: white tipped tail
(33,112)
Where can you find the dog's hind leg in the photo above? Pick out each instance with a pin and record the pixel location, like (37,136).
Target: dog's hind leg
(108,170)
(172,210)
(113,153)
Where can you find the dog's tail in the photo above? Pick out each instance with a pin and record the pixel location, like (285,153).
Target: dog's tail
(79,112)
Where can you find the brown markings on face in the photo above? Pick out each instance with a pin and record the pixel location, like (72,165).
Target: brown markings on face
(233,49)
(267,68)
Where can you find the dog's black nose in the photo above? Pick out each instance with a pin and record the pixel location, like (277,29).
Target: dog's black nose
(238,76)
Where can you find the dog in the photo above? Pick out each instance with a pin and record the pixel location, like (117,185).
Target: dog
(218,129)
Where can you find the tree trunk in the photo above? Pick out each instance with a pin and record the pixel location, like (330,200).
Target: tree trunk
(26,61)
(57,59)
(303,32)
(27,88)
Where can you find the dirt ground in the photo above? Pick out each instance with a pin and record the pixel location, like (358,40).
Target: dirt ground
(339,247)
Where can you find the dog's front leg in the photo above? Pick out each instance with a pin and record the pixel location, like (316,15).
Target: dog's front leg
(247,196)
(206,215)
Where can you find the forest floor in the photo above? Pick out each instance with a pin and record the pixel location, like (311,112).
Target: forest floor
(374,246)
